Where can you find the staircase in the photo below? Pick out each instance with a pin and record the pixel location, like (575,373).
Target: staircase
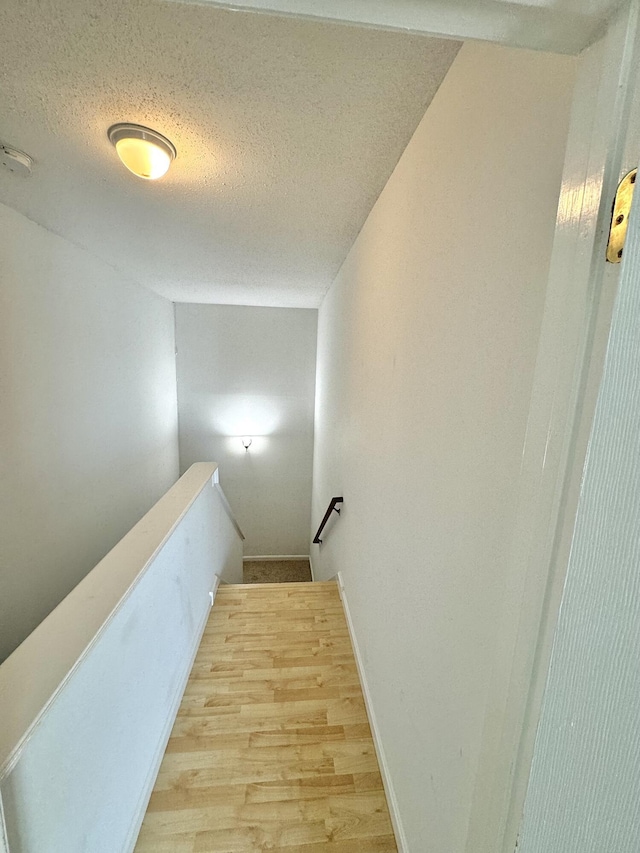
(271,749)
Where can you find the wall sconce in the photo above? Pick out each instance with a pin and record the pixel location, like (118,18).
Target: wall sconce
(246,441)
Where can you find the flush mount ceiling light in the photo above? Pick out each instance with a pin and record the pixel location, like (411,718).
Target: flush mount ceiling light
(143,151)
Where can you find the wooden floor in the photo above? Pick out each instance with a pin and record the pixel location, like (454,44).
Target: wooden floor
(271,749)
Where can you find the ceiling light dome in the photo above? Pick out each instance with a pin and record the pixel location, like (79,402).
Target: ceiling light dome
(143,151)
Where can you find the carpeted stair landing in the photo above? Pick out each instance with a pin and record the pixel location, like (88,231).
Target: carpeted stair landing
(276,571)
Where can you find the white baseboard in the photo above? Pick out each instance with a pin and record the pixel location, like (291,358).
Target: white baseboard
(143,803)
(401,839)
(313,576)
(274,557)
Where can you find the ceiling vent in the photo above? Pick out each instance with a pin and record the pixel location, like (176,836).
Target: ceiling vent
(15,161)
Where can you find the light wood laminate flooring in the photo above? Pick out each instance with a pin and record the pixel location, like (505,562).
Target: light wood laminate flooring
(271,749)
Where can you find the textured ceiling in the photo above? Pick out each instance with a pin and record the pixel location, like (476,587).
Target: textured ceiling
(286,132)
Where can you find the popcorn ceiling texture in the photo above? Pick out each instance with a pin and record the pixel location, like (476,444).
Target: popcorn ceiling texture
(286,132)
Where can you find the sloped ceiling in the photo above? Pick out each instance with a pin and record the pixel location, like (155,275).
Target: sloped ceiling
(286,132)
(559,26)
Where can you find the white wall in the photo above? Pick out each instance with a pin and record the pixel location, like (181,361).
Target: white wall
(88,427)
(426,349)
(89,699)
(251,371)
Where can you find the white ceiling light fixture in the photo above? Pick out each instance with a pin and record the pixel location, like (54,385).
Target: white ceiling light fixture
(145,152)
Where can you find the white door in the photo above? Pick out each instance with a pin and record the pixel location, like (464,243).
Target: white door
(584,788)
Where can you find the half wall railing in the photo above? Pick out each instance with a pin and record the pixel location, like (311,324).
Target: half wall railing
(88,700)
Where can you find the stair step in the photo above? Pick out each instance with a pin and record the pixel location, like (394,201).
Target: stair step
(271,749)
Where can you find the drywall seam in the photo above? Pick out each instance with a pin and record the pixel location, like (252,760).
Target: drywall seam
(162,744)
(392,801)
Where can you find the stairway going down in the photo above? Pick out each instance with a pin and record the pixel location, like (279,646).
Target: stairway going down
(271,749)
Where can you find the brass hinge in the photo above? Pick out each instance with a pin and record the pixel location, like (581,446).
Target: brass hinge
(619,217)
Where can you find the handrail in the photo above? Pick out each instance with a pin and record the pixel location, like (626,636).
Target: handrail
(332,506)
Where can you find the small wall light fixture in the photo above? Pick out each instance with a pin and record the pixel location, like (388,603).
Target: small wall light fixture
(246,441)
(143,151)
